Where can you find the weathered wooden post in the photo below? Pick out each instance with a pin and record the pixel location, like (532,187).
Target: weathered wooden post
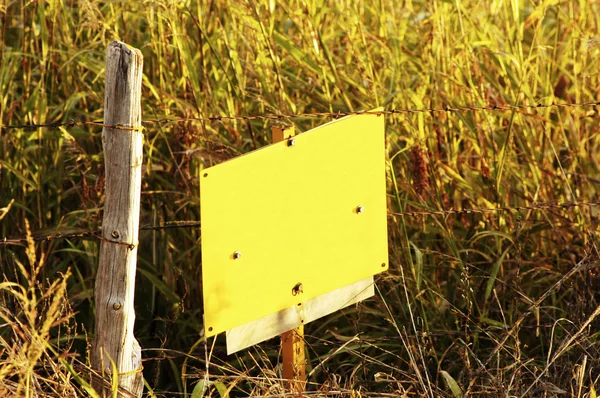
(114,344)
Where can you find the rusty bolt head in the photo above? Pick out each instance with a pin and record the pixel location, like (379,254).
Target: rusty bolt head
(115,234)
(297,289)
(116,306)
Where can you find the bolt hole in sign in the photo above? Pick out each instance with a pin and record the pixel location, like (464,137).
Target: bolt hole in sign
(289,223)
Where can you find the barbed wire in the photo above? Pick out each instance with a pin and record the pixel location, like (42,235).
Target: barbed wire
(97,233)
(540,206)
(71,123)
(282,116)
(196,224)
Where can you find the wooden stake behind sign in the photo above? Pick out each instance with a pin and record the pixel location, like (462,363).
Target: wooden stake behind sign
(294,361)
(115,348)
(292,341)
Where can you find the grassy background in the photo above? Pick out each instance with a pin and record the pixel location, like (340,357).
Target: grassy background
(471,304)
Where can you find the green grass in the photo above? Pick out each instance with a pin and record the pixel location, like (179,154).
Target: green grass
(459,311)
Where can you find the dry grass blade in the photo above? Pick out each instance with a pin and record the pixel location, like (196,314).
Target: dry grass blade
(566,344)
(534,305)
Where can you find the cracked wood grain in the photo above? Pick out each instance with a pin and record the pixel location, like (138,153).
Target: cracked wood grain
(115,346)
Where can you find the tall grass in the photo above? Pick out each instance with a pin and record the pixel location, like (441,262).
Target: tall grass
(472,305)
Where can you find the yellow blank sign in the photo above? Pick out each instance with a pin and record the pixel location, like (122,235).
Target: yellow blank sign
(292,221)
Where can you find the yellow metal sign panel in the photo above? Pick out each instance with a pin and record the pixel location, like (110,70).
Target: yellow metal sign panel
(292,221)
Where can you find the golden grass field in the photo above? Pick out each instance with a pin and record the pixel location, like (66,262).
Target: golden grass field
(495,304)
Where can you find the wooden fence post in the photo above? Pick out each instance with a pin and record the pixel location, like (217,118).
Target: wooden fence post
(114,344)
(292,341)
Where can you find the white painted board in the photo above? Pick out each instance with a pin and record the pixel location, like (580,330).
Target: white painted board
(289,318)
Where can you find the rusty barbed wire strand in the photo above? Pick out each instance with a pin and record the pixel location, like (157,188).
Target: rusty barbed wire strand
(196,224)
(71,123)
(96,234)
(446,109)
(540,206)
(280,116)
